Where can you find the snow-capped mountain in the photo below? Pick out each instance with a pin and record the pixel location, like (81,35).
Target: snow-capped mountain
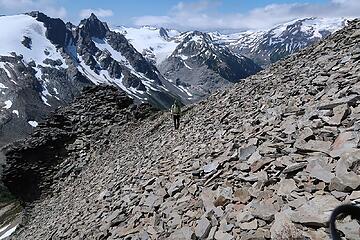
(44,63)
(203,65)
(192,60)
(266,47)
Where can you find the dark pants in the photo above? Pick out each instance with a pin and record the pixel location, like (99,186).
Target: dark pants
(176,121)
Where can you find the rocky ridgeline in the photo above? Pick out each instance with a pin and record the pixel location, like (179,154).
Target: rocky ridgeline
(33,163)
(269,158)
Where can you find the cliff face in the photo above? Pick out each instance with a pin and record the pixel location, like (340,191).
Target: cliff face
(269,158)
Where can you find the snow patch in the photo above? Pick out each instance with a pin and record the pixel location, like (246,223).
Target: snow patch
(45,100)
(149,39)
(15,28)
(33,123)
(103,45)
(2,65)
(8,104)
(187,66)
(185,90)
(17,113)
(8,232)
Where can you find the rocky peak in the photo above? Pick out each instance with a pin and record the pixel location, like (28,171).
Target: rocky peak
(163,33)
(94,27)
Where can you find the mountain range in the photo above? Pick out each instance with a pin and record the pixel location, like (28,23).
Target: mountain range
(45,62)
(268,158)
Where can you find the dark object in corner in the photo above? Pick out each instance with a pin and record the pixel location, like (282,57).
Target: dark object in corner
(344,210)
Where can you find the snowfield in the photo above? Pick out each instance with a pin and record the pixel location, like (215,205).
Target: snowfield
(33,123)
(149,39)
(15,28)
(8,104)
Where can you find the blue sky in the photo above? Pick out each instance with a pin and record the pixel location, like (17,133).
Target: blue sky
(188,14)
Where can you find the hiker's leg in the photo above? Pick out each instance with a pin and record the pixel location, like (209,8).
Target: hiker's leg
(174,117)
(178,122)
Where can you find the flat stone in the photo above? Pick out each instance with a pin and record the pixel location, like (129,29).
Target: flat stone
(242,195)
(152,201)
(244,216)
(264,210)
(182,233)
(344,143)
(286,186)
(314,146)
(249,225)
(176,186)
(208,197)
(355,195)
(211,167)
(254,157)
(306,133)
(112,216)
(224,226)
(246,152)
(337,102)
(356,34)
(346,179)
(257,165)
(315,212)
(283,228)
(317,170)
(220,235)
(298,202)
(339,113)
(124,231)
(202,228)
(319,234)
(338,194)
(350,228)
(294,167)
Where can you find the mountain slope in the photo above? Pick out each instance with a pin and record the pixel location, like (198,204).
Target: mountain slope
(44,64)
(268,158)
(204,66)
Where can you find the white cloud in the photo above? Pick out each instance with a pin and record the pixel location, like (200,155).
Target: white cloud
(98,12)
(49,7)
(203,15)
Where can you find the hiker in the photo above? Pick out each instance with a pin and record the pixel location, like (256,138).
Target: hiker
(176,111)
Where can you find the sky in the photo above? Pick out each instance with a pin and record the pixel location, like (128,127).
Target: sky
(188,14)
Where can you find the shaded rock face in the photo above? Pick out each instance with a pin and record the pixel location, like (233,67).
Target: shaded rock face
(93,27)
(56,32)
(260,160)
(32,162)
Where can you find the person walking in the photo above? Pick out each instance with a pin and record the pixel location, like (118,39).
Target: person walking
(176,112)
